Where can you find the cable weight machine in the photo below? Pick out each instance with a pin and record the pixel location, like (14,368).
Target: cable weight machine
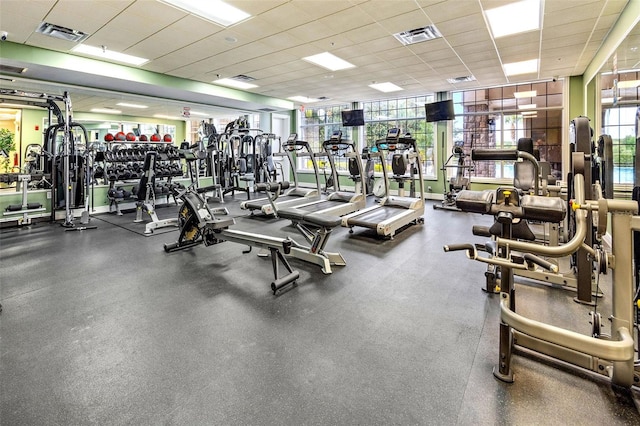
(64,161)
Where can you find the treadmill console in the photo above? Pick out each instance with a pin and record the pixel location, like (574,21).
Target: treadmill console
(393,134)
(292,138)
(336,136)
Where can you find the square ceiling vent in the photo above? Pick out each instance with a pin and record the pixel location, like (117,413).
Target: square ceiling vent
(430,32)
(462,79)
(62,33)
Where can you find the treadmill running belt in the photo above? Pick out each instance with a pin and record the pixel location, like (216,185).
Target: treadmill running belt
(372,218)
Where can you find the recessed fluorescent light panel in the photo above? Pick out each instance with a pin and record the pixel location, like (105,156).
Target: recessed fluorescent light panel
(385,87)
(627,84)
(215,11)
(106,111)
(418,35)
(528,113)
(528,94)
(104,53)
(527,106)
(200,114)
(128,105)
(237,84)
(167,117)
(514,18)
(303,99)
(329,61)
(524,67)
(609,100)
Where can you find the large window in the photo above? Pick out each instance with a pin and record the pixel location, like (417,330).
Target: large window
(408,114)
(317,125)
(496,118)
(620,121)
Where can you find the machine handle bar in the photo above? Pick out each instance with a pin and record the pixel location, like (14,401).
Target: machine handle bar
(272,186)
(459,247)
(531,258)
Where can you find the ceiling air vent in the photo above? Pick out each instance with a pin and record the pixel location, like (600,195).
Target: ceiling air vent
(242,77)
(418,35)
(463,79)
(62,33)
(8,69)
(266,109)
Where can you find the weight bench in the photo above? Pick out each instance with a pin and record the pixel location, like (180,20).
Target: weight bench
(316,229)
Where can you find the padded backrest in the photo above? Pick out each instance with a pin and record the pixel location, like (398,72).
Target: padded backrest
(526,145)
(242,165)
(250,163)
(353,167)
(524,176)
(398,164)
(271,166)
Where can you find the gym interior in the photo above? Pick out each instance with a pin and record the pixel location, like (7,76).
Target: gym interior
(319,212)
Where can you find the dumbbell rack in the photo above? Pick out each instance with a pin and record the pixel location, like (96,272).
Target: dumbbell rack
(124,162)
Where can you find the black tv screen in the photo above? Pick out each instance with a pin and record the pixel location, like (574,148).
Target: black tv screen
(352,117)
(438,111)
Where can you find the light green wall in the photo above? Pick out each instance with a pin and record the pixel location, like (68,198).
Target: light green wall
(576,97)
(63,61)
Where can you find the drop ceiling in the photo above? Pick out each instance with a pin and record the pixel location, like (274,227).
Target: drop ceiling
(269,47)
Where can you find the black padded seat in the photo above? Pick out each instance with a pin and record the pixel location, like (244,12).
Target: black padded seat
(543,209)
(475,201)
(220,223)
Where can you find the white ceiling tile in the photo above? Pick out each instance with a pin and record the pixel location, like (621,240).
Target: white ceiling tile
(385,9)
(405,22)
(254,7)
(94,14)
(462,25)
(469,37)
(271,44)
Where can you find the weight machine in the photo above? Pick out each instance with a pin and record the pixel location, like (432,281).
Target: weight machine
(608,355)
(612,356)
(65,162)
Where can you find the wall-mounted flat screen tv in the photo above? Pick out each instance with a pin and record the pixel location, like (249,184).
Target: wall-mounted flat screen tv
(439,111)
(352,117)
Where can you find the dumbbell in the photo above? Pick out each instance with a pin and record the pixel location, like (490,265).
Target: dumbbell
(125,193)
(114,193)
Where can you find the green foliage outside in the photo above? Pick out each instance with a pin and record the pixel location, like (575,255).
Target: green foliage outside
(7,144)
(624,151)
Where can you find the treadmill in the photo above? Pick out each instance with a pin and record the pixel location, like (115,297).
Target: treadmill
(338,202)
(394,212)
(296,195)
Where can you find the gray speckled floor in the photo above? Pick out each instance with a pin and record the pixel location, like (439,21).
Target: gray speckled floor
(103,327)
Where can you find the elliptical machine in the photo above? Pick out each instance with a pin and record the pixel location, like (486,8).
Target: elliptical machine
(459,182)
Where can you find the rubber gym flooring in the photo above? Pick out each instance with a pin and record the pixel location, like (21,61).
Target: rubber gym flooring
(103,327)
